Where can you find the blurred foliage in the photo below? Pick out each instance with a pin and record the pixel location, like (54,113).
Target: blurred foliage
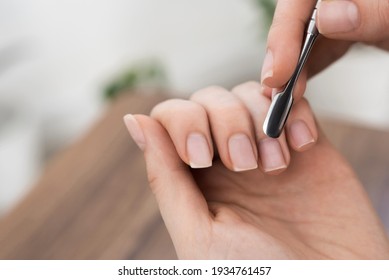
(152,72)
(142,73)
(267,7)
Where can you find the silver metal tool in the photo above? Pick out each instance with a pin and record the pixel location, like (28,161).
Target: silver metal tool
(282,102)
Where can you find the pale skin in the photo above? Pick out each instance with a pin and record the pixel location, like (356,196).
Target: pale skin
(311,207)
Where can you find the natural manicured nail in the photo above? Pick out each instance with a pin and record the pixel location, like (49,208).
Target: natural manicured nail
(135,131)
(337,16)
(198,151)
(241,153)
(271,155)
(301,135)
(267,68)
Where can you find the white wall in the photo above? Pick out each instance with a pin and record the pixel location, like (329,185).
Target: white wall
(354,89)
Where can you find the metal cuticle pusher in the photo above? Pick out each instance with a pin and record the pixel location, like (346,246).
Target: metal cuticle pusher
(282,102)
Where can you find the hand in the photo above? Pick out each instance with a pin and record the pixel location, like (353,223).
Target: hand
(315,209)
(341,23)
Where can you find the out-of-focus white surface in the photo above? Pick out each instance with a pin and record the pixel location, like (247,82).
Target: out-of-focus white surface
(19,158)
(354,89)
(57,55)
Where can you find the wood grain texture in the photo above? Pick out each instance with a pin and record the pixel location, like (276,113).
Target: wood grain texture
(93,200)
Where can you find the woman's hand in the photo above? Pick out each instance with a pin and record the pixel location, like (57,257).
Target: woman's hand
(233,210)
(341,23)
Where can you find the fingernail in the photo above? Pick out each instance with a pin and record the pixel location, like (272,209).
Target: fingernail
(271,155)
(135,131)
(301,135)
(337,16)
(267,68)
(198,151)
(241,153)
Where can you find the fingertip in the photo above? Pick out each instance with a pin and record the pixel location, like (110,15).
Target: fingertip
(300,136)
(186,122)
(336,17)
(272,155)
(198,150)
(301,127)
(283,50)
(242,153)
(135,130)
(267,67)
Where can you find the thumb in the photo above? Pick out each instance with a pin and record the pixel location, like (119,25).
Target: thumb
(180,201)
(354,20)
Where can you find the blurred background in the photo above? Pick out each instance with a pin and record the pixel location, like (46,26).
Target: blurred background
(59,58)
(62,61)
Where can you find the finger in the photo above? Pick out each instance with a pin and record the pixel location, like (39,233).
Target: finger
(357,20)
(231,128)
(325,52)
(273,153)
(299,88)
(301,127)
(187,125)
(182,205)
(284,41)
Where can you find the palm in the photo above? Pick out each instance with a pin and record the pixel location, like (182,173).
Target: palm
(307,212)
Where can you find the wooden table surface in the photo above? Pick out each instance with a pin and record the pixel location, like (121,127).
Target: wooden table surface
(93,200)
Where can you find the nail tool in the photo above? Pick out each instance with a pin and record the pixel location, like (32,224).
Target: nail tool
(282,102)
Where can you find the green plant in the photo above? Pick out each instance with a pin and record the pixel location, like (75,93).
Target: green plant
(142,73)
(267,7)
(152,72)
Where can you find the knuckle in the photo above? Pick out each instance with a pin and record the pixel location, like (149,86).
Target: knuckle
(164,106)
(177,112)
(230,108)
(171,106)
(159,182)
(248,87)
(374,26)
(217,101)
(207,92)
